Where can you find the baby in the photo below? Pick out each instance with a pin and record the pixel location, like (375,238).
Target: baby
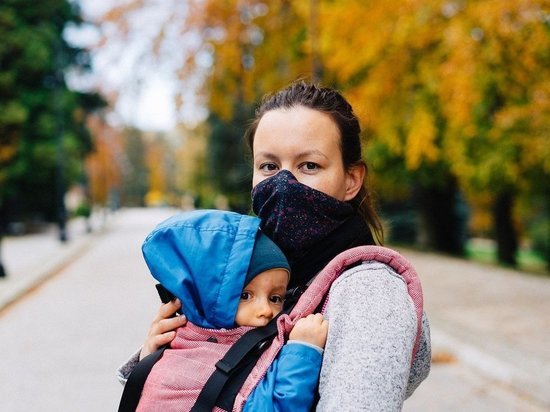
(204,258)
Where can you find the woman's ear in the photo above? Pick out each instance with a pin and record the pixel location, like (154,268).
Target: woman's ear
(354,180)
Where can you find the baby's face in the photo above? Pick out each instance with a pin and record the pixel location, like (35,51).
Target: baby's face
(262,299)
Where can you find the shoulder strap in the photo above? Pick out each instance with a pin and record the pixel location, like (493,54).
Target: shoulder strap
(322,282)
(134,386)
(250,344)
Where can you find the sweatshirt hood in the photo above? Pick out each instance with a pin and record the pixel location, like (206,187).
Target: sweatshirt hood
(202,257)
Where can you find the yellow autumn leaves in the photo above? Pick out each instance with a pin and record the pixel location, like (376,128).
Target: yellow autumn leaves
(461,85)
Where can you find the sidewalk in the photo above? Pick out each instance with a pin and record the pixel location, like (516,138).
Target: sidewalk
(30,260)
(495,320)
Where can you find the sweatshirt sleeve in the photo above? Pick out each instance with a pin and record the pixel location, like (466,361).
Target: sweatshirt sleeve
(423,359)
(290,383)
(372,328)
(124,371)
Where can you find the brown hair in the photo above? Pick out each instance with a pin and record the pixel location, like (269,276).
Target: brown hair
(331,102)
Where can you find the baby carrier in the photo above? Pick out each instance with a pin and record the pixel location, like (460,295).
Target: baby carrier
(210,359)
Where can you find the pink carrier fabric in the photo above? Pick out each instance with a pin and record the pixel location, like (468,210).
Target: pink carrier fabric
(177,378)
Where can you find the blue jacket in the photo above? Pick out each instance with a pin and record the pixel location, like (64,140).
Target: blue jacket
(202,258)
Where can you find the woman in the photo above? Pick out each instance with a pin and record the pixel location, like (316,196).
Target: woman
(309,192)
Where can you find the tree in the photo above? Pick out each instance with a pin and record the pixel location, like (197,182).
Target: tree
(233,52)
(42,134)
(451,91)
(505,146)
(43,123)
(452,94)
(105,164)
(135,171)
(160,162)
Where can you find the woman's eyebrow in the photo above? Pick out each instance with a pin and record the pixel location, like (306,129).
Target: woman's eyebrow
(307,153)
(299,155)
(266,155)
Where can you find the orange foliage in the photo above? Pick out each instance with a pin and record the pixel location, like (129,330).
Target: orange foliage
(103,165)
(459,84)
(465,83)
(155,161)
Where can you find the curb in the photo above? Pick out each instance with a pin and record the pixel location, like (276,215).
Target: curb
(18,288)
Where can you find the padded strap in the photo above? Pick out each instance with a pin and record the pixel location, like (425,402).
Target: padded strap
(134,386)
(249,344)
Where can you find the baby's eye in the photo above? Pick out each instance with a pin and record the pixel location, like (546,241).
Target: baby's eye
(276,299)
(246,296)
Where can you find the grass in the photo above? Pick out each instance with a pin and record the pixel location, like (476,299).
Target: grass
(484,250)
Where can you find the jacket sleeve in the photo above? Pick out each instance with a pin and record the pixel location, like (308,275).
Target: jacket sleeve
(290,382)
(372,328)
(124,371)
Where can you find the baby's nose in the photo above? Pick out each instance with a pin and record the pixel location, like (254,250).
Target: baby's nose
(264,308)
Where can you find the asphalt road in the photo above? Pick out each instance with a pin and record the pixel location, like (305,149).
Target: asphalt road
(61,344)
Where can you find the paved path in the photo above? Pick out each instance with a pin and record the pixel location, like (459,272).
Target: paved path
(495,320)
(61,344)
(490,326)
(30,260)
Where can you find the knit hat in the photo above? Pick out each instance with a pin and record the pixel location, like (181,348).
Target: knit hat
(266,255)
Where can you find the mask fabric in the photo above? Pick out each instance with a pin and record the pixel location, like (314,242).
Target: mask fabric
(294,215)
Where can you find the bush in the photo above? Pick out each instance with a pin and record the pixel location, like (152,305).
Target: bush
(83,210)
(539,233)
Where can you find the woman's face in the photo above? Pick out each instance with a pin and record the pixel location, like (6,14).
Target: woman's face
(305,142)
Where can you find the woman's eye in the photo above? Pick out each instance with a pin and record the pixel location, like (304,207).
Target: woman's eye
(309,166)
(276,299)
(268,167)
(245,296)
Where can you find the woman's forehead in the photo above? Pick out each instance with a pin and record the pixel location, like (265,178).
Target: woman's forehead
(298,128)
(296,116)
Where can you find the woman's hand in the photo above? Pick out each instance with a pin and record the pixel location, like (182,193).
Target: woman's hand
(163,328)
(311,329)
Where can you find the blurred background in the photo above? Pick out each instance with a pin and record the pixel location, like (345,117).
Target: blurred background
(107,104)
(132,103)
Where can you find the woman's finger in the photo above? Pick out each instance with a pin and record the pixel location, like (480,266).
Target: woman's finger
(168,309)
(170,324)
(164,338)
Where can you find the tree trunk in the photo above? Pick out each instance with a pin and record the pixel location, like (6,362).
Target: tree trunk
(3,273)
(443,217)
(505,232)
(3,225)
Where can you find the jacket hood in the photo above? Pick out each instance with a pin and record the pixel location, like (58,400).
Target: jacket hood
(202,258)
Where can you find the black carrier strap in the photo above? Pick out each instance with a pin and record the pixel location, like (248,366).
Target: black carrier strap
(136,381)
(224,384)
(132,390)
(241,357)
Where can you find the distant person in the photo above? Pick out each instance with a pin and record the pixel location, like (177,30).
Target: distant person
(204,258)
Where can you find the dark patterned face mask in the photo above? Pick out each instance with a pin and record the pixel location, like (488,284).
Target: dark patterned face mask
(294,215)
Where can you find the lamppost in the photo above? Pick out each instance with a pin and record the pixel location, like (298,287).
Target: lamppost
(3,273)
(3,220)
(61,211)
